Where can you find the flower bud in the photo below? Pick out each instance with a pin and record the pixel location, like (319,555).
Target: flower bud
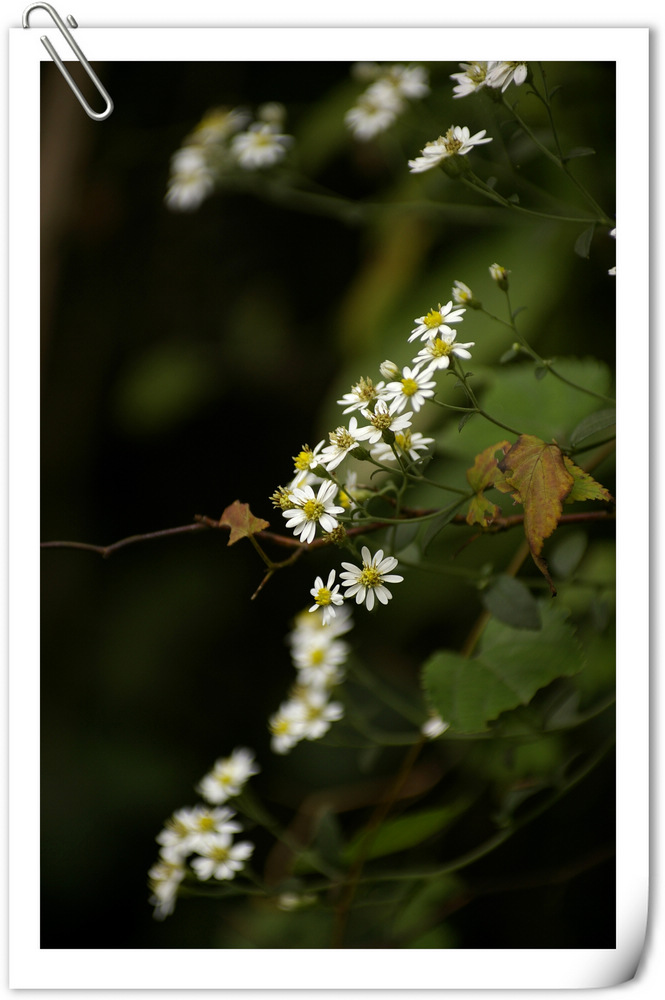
(500,275)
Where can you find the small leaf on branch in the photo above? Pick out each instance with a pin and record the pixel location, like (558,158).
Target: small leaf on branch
(483,473)
(512,602)
(536,475)
(579,151)
(540,371)
(585,486)
(595,423)
(239,518)
(583,242)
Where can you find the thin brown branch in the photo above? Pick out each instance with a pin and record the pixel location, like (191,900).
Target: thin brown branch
(202,522)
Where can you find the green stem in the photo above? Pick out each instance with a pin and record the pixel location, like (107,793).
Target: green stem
(476,184)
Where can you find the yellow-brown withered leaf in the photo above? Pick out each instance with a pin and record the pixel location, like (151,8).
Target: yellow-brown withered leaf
(585,486)
(483,473)
(239,518)
(536,474)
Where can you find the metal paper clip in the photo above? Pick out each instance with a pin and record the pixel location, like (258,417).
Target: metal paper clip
(98,116)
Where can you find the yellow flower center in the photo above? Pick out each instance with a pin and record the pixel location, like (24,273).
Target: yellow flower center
(341,438)
(382,420)
(303,459)
(440,348)
(433,319)
(219,853)
(313,509)
(452,145)
(316,657)
(403,440)
(206,823)
(323,597)
(370,576)
(409,386)
(365,390)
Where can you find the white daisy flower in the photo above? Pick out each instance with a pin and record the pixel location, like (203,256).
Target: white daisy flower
(389,369)
(472,79)
(218,124)
(414,387)
(164,880)
(502,74)
(500,275)
(436,321)
(456,142)
(287,726)
(434,727)
(228,776)
(220,858)
(462,294)
(382,420)
(437,351)
(319,712)
(303,463)
(306,626)
(320,661)
(184,828)
(410,81)
(362,393)
(407,443)
(342,441)
(368,581)
(311,510)
(326,597)
(376,110)
(191,179)
(260,146)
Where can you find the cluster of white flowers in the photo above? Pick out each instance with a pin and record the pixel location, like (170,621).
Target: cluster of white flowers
(385,98)
(224,139)
(457,141)
(495,75)
(199,840)
(318,655)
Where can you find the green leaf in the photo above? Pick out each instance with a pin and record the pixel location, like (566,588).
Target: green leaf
(594,424)
(584,486)
(540,371)
(566,555)
(583,242)
(512,602)
(512,665)
(406,831)
(580,151)
(464,420)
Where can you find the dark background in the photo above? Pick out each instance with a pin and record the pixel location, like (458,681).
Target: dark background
(185,359)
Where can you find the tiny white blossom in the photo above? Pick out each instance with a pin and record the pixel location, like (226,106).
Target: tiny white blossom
(307,626)
(472,79)
(389,369)
(304,462)
(218,857)
(164,878)
(500,275)
(376,110)
(342,441)
(287,726)
(437,351)
(319,661)
(406,443)
(362,393)
(318,712)
(384,419)
(434,727)
(183,830)
(436,321)
(326,596)
(260,146)
(414,387)
(228,776)
(219,124)
(191,179)
(502,74)
(461,293)
(311,510)
(367,582)
(457,141)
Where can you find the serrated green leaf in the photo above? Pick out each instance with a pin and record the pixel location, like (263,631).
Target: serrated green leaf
(512,602)
(511,666)
(584,486)
(594,424)
(583,242)
(406,831)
